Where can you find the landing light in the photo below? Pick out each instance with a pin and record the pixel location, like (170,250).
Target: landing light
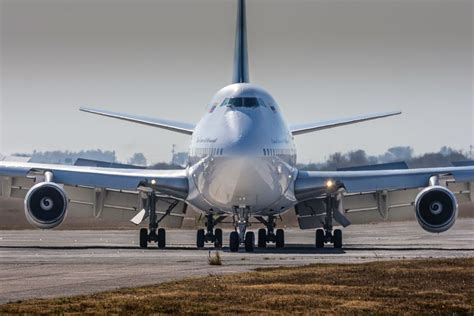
(153,182)
(329,184)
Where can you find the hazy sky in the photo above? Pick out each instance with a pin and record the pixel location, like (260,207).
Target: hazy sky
(321,59)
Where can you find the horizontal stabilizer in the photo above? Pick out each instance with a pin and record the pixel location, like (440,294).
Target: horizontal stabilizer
(179,127)
(401,165)
(104,164)
(465,163)
(15,158)
(317,126)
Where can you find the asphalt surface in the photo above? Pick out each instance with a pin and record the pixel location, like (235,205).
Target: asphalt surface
(42,264)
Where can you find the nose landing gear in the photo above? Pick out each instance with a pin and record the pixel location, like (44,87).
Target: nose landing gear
(240,235)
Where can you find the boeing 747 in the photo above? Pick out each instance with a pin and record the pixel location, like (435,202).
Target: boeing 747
(242,166)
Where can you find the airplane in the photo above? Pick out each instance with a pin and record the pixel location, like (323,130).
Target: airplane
(242,165)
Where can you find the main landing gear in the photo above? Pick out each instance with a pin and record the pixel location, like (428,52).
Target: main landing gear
(153,233)
(268,235)
(210,234)
(327,235)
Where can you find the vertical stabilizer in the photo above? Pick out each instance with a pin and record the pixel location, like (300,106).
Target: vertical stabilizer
(241,65)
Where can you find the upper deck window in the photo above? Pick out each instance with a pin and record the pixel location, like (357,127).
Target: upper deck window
(246,102)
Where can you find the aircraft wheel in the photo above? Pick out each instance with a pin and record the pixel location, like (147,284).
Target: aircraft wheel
(262,238)
(161,238)
(218,238)
(280,238)
(234,242)
(200,238)
(249,241)
(319,238)
(143,238)
(337,238)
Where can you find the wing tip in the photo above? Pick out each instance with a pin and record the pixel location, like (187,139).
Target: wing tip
(86,109)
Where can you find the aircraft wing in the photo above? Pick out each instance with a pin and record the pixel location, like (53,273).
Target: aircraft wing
(378,190)
(179,127)
(317,126)
(111,193)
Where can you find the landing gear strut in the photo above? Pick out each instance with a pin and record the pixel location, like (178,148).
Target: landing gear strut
(240,235)
(211,235)
(153,233)
(268,235)
(327,235)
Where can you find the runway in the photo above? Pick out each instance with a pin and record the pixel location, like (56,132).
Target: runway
(41,264)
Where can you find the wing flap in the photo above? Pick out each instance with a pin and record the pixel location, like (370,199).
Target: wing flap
(119,205)
(15,187)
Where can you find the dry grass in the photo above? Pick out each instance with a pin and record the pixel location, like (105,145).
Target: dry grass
(215,259)
(438,287)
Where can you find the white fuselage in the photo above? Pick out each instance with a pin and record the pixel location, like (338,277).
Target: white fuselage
(242,155)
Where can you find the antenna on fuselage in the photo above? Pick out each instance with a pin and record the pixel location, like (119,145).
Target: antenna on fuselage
(241,65)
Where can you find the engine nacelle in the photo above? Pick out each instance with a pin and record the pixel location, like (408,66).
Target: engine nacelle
(46,205)
(436,209)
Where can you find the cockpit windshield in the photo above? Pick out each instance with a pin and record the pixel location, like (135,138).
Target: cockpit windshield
(246,102)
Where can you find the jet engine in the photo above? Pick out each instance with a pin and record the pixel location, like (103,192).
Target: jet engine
(436,209)
(46,205)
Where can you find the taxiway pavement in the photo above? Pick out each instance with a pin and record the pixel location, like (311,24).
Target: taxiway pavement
(42,264)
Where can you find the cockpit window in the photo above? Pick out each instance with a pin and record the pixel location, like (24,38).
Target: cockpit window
(243,102)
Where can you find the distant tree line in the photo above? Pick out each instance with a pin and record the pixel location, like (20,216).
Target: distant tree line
(165,166)
(69,157)
(353,158)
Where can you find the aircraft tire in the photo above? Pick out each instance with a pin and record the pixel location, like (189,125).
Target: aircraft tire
(234,242)
(280,238)
(319,238)
(337,236)
(200,238)
(143,238)
(161,238)
(218,238)
(262,238)
(249,241)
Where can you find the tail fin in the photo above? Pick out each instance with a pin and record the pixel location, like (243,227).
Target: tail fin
(241,66)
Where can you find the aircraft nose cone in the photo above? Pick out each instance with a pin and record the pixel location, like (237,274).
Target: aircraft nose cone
(244,135)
